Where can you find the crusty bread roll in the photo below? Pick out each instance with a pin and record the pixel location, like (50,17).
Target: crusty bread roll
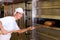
(49,23)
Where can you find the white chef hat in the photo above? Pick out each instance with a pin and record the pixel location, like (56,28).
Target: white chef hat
(20,10)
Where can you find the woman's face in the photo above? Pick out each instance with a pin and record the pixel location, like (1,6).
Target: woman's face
(19,15)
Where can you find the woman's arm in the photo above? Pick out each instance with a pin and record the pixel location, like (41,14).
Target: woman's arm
(24,30)
(2,30)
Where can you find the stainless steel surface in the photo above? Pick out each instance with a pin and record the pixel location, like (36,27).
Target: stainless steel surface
(34,12)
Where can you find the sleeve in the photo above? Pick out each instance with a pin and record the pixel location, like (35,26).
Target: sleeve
(16,26)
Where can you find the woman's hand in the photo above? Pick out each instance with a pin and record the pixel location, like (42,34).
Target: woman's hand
(3,31)
(31,28)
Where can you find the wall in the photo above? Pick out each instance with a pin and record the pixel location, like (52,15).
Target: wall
(49,9)
(9,9)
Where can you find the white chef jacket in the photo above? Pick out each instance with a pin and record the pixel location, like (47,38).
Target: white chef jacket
(9,24)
